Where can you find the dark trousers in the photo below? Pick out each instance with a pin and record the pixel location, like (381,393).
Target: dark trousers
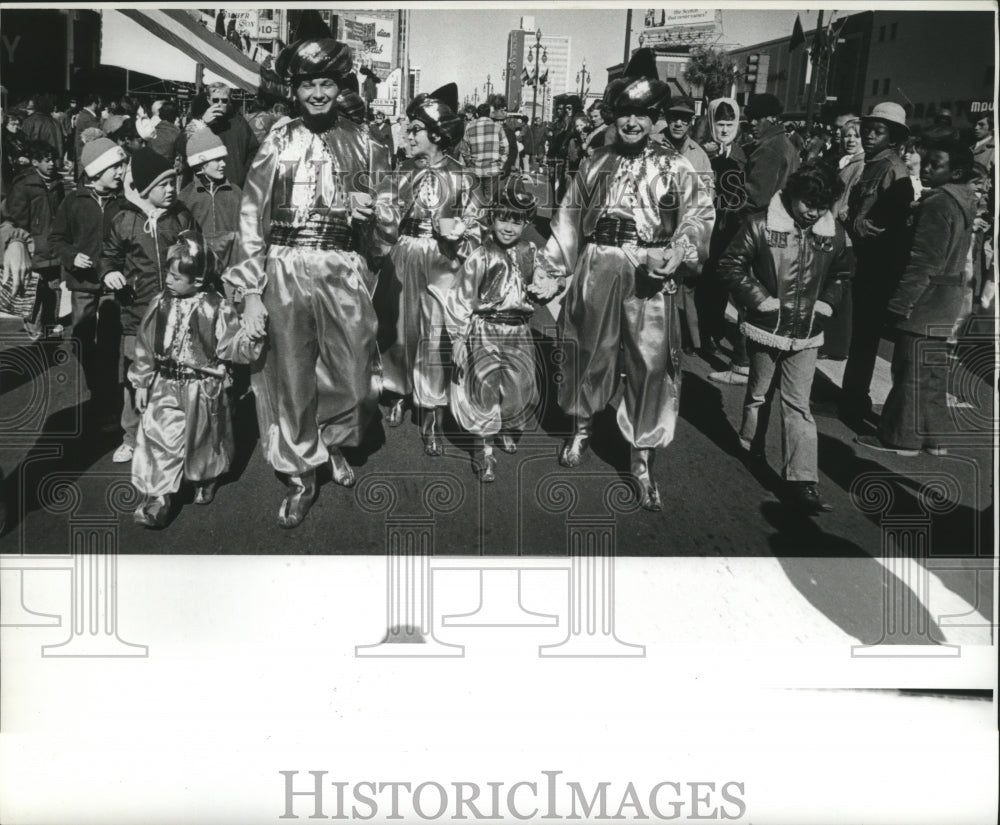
(97,333)
(868,305)
(46,308)
(837,330)
(915,414)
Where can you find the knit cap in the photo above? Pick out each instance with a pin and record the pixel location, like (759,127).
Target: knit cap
(204,145)
(148,169)
(99,154)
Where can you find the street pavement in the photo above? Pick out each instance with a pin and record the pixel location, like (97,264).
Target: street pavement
(889,511)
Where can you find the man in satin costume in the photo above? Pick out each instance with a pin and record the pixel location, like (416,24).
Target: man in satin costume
(632,215)
(430,198)
(306,223)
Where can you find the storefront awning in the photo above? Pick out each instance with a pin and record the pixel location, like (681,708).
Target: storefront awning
(169,43)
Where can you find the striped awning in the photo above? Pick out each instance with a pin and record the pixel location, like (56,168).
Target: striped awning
(169,43)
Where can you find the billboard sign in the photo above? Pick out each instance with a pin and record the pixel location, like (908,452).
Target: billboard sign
(373,40)
(688,26)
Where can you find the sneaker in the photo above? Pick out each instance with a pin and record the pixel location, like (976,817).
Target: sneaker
(957,403)
(936,451)
(804,496)
(729,376)
(123,454)
(872,442)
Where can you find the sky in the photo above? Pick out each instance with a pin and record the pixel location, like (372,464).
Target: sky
(464,45)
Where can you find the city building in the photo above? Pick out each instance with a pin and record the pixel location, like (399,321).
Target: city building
(924,60)
(552,57)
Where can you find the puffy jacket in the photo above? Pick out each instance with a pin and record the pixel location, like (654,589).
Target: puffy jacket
(81,224)
(771,256)
(31,205)
(928,299)
(136,246)
(216,209)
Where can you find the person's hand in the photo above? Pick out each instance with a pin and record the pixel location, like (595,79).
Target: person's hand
(711,148)
(16,265)
(543,286)
(458,231)
(769,304)
(671,263)
(141,398)
(822,308)
(870,230)
(82,261)
(980,225)
(989,291)
(114,280)
(213,113)
(254,316)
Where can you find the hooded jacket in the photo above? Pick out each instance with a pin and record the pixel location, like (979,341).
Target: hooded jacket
(136,245)
(81,224)
(31,205)
(772,256)
(928,298)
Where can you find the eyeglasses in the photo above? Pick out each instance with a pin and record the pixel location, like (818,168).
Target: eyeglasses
(677,117)
(219,100)
(415,130)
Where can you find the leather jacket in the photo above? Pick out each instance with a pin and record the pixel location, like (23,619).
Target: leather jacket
(774,257)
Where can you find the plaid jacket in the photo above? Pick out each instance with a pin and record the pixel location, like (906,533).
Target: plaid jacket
(484,148)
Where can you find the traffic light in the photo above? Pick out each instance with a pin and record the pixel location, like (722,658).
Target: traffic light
(750,73)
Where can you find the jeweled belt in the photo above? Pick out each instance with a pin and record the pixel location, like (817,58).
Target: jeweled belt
(618,231)
(416,228)
(325,234)
(172,370)
(510,319)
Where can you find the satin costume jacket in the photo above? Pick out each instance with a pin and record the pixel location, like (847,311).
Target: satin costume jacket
(614,318)
(418,275)
(318,381)
(181,348)
(496,386)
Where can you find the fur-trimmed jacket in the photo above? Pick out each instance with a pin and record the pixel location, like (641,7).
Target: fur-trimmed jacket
(771,256)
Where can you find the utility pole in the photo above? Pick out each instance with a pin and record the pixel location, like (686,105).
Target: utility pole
(815,58)
(583,78)
(540,57)
(628,35)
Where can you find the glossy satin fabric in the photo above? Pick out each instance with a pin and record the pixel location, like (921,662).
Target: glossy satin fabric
(498,390)
(614,319)
(318,381)
(186,428)
(418,275)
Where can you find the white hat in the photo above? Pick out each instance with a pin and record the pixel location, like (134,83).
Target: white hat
(99,154)
(891,113)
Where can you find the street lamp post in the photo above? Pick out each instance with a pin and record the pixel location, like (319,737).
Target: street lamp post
(488,87)
(541,56)
(583,78)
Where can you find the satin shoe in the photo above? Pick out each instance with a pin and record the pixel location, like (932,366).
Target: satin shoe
(299,498)
(641,469)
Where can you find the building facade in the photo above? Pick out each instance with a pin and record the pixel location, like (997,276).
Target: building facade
(926,61)
(521,58)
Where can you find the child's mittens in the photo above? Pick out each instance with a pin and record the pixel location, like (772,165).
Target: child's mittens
(986,298)
(823,308)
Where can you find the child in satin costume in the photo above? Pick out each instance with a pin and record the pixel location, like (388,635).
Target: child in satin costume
(495,391)
(180,378)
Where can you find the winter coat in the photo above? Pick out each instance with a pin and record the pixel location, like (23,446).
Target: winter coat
(31,205)
(136,246)
(772,256)
(929,296)
(882,195)
(217,211)
(81,224)
(39,126)
(769,165)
